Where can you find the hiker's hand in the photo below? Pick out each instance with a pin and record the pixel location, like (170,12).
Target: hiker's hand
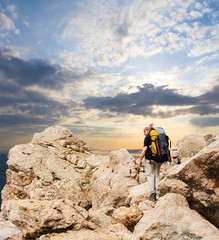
(140,163)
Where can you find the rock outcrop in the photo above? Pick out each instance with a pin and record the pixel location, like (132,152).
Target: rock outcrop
(57,189)
(115,232)
(35,217)
(110,183)
(173,219)
(52,166)
(189,146)
(49,180)
(197,180)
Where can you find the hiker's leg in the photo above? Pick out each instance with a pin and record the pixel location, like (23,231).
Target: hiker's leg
(156,177)
(149,170)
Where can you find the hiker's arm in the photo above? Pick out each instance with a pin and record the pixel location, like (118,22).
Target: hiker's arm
(142,155)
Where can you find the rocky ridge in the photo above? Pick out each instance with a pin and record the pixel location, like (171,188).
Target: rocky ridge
(57,189)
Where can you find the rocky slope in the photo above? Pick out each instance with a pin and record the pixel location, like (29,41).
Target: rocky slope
(57,189)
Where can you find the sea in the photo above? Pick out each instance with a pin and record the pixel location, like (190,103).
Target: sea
(3,168)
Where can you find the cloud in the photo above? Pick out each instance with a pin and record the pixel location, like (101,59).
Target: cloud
(135,151)
(21,107)
(105,37)
(36,72)
(205,121)
(122,30)
(198,5)
(156,101)
(32,72)
(210,97)
(206,46)
(91,131)
(32,91)
(6,23)
(13,11)
(20,119)
(195,14)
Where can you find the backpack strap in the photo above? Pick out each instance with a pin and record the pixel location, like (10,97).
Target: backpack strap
(153,135)
(159,149)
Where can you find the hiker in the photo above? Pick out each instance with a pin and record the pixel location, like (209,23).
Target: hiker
(152,168)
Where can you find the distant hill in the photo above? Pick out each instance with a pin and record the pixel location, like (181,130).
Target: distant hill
(3,167)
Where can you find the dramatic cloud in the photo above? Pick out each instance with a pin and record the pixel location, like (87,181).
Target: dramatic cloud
(12,120)
(149,101)
(211,97)
(32,72)
(205,121)
(23,99)
(95,65)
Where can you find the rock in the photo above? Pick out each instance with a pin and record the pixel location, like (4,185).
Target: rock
(166,168)
(137,194)
(48,168)
(129,217)
(97,160)
(9,231)
(110,183)
(146,205)
(173,219)
(142,177)
(208,137)
(190,145)
(172,200)
(115,232)
(174,186)
(57,189)
(57,136)
(34,217)
(197,180)
(215,138)
(174,152)
(101,217)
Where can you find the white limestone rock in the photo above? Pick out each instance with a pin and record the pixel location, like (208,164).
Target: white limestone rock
(190,145)
(110,183)
(197,180)
(173,219)
(34,217)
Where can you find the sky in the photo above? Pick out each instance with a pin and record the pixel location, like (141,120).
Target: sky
(107,69)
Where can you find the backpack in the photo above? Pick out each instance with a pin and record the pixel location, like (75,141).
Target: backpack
(159,148)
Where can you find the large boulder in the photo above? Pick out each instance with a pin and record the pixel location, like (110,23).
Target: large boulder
(8,231)
(213,139)
(52,166)
(48,185)
(129,217)
(34,217)
(189,146)
(101,217)
(208,137)
(137,194)
(197,180)
(115,232)
(173,219)
(110,182)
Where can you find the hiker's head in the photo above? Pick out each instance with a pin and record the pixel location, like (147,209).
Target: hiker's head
(148,129)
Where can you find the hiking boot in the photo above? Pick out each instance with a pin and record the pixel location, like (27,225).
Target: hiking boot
(152,197)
